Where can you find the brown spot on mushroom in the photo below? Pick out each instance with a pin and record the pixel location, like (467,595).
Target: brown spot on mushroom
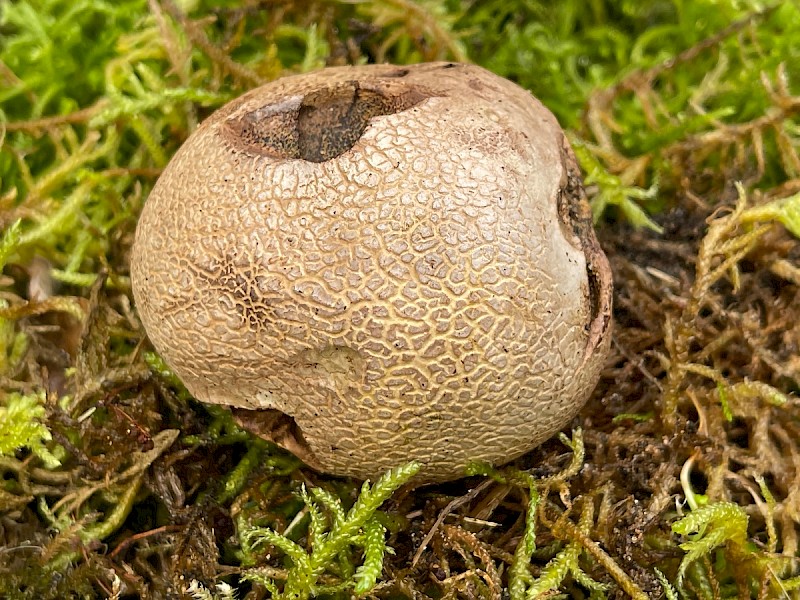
(397,73)
(376,264)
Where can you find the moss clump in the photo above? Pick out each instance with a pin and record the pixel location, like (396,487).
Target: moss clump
(21,427)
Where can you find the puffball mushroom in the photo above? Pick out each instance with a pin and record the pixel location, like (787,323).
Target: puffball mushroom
(379,264)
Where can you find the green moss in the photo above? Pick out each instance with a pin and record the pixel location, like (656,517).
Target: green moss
(668,103)
(21,427)
(332,531)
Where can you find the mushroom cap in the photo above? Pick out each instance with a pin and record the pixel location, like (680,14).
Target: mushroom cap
(379,264)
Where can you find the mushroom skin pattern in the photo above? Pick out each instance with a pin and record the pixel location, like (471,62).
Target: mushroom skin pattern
(377,264)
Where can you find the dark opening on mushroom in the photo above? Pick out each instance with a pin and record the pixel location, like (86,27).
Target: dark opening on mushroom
(575,218)
(322,124)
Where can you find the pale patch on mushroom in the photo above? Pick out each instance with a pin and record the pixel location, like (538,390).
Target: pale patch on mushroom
(379,264)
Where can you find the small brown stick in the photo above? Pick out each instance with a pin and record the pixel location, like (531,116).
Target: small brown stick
(460,501)
(140,536)
(79,116)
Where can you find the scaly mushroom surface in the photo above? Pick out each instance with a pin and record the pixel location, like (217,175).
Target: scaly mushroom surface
(379,264)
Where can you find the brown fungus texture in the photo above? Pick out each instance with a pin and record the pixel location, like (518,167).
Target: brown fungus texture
(377,264)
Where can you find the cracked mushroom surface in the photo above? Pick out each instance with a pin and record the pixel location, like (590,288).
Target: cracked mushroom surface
(379,264)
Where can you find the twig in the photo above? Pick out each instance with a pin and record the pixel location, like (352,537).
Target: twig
(140,536)
(460,501)
(79,116)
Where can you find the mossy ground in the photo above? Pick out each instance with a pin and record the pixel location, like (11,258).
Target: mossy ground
(682,475)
